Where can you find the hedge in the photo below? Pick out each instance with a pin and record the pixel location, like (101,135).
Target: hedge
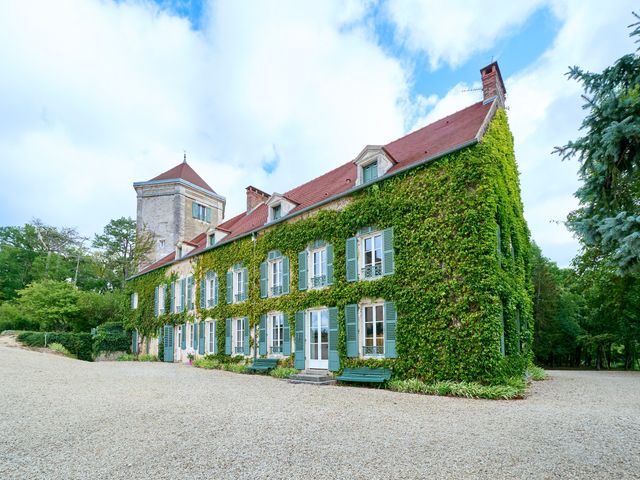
(111,337)
(79,344)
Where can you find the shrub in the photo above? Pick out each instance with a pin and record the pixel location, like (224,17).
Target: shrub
(537,373)
(282,372)
(147,357)
(234,367)
(79,344)
(515,388)
(111,337)
(208,363)
(12,318)
(56,347)
(127,357)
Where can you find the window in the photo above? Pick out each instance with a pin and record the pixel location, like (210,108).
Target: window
(370,172)
(212,239)
(212,290)
(179,252)
(276,322)
(201,212)
(211,337)
(318,270)
(275,277)
(238,285)
(162,291)
(373,331)
(162,243)
(191,335)
(191,294)
(372,256)
(134,301)
(178,297)
(238,336)
(276,212)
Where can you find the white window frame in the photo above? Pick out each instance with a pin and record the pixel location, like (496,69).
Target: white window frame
(161,299)
(211,336)
(362,328)
(237,328)
(191,335)
(211,292)
(312,267)
(274,285)
(376,267)
(162,242)
(273,317)
(191,300)
(238,284)
(177,296)
(272,211)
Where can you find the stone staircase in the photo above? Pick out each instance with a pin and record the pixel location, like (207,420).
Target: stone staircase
(313,377)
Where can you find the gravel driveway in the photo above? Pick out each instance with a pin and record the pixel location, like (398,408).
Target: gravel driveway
(63,418)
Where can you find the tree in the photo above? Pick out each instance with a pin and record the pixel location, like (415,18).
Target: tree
(121,249)
(52,304)
(609,214)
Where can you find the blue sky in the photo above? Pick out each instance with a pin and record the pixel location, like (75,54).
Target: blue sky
(98,94)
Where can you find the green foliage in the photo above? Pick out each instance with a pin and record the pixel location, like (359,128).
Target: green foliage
(111,337)
(282,372)
(450,283)
(537,373)
(52,304)
(12,318)
(121,248)
(79,344)
(516,389)
(207,363)
(127,357)
(98,308)
(609,153)
(57,347)
(146,357)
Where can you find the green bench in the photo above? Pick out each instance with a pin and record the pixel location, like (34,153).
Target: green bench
(263,364)
(366,375)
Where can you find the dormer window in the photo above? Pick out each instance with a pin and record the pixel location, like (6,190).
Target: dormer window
(179,251)
(276,212)
(373,162)
(370,172)
(211,239)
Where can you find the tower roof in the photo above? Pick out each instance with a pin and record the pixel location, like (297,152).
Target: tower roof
(185,172)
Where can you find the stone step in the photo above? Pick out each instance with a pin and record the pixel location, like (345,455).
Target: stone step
(312,377)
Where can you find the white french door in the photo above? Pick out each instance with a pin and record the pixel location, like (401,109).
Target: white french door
(178,344)
(319,339)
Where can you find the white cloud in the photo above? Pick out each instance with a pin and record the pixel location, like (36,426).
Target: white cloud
(96,95)
(452,31)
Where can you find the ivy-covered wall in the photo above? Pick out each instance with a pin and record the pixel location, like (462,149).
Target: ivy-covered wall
(452,285)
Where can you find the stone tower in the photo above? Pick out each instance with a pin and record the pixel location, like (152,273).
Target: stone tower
(176,206)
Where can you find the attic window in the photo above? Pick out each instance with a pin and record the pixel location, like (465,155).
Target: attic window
(212,239)
(276,212)
(370,172)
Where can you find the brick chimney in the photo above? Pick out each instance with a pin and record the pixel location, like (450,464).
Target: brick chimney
(492,84)
(255,197)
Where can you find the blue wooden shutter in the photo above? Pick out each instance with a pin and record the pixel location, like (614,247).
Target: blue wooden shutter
(227,337)
(155,301)
(388,264)
(184,336)
(329,264)
(203,291)
(286,334)
(134,342)
(263,334)
(229,287)
(264,280)
(216,286)
(351,323)
(208,214)
(191,292)
(203,339)
(334,356)
(390,320)
(245,283)
(173,297)
(302,270)
(214,325)
(168,343)
(352,259)
(299,338)
(196,336)
(183,294)
(194,209)
(132,300)
(285,275)
(245,322)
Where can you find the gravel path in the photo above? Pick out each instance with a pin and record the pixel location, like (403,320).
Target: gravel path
(63,418)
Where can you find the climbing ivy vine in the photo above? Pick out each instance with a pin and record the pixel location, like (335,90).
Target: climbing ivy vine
(456,277)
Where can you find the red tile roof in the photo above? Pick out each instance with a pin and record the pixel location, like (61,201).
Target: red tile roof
(444,135)
(185,172)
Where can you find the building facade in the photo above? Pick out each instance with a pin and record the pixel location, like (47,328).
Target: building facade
(413,256)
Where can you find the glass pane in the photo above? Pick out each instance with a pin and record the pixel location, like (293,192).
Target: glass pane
(325,351)
(378,248)
(367,251)
(314,351)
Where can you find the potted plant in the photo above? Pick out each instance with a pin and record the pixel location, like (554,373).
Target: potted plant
(191,355)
